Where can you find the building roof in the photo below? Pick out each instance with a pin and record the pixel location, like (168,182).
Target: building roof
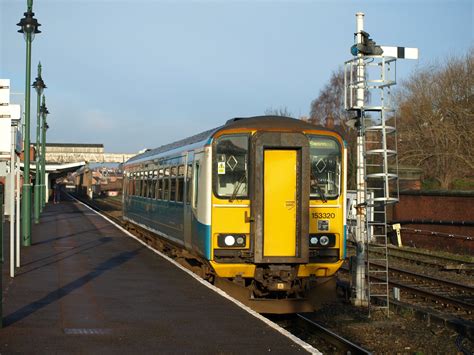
(82,145)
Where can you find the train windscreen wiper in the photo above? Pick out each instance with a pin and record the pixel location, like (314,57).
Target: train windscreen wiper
(321,193)
(237,187)
(315,185)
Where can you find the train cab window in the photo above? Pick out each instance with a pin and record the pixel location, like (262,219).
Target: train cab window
(166,180)
(325,158)
(231,166)
(180,184)
(173,183)
(189,178)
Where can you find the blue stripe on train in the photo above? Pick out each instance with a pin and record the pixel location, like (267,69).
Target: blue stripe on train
(201,234)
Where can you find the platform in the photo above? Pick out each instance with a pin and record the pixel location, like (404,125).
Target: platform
(87,287)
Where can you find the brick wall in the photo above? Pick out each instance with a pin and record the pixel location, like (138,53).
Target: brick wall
(436,206)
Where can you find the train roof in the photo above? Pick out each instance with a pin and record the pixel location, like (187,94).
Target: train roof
(254,122)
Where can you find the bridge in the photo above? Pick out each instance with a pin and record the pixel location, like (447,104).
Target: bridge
(64,153)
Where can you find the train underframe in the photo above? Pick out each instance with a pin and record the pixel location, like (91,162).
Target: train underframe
(265,294)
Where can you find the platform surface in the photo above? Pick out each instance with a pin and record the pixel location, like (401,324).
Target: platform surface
(87,287)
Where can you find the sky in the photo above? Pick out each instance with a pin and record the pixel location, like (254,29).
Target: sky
(134,74)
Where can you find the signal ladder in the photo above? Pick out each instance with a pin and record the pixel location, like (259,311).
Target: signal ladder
(380,164)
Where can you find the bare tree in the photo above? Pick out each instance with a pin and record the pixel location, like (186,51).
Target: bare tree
(282,111)
(436,119)
(328,110)
(330,101)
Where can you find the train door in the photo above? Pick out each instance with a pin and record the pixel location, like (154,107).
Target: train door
(279,202)
(195,203)
(280,197)
(187,200)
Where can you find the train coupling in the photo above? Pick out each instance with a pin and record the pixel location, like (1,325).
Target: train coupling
(277,278)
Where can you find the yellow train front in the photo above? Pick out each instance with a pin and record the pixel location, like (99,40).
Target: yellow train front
(262,202)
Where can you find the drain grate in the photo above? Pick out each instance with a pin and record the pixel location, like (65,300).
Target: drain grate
(87,331)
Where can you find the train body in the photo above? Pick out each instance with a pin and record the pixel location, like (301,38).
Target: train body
(261,200)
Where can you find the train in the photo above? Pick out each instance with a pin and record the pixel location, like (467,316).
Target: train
(259,202)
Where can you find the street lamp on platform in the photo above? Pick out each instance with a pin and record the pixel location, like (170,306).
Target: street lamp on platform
(39,86)
(44,127)
(29,27)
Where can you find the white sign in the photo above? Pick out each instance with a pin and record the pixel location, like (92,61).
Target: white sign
(5,135)
(4,91)
(221,168)
(400,52)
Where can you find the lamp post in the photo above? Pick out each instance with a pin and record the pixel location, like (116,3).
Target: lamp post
(44,126)
(39,86)
(29,27)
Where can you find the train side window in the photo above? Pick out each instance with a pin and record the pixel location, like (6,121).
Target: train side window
(147,184)
(159,186)
(166,179)
(150,184)
(180,184)
(144,184)
(134,185)
(196,183)
(125,185)
(139,185)
(173,183)
(189,178)
(153,184)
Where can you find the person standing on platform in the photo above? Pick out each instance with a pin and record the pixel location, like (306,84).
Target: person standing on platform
(56,192)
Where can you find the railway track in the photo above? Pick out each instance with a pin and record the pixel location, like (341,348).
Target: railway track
(443,295)
(320,337)
(433,261)
(451,299)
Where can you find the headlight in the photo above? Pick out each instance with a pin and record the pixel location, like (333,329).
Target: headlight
(324,240)
(229,240)
(313,240)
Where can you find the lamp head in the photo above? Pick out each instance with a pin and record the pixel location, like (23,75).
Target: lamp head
(29,25)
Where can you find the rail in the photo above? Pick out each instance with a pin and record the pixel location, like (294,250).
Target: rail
(341,344)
